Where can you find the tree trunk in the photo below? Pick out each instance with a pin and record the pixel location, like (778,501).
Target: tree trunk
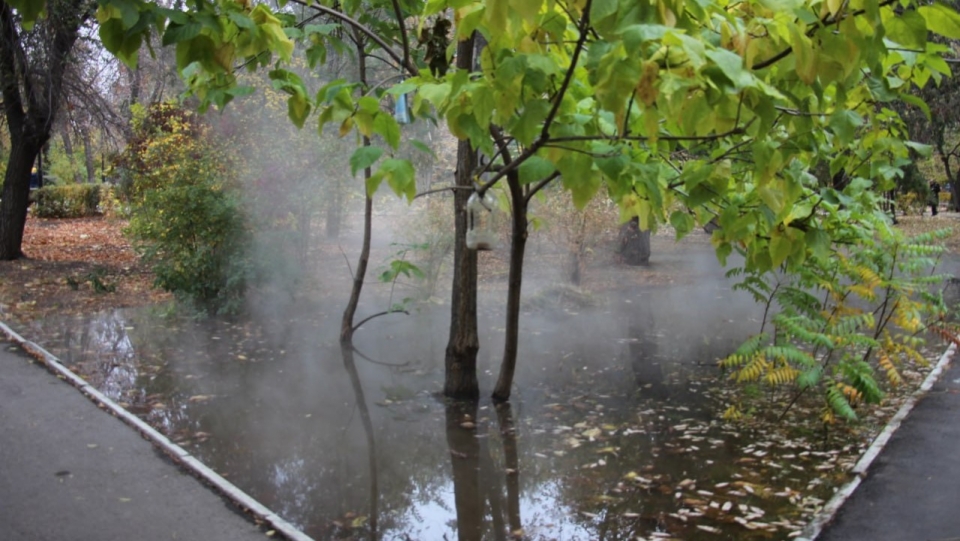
(31,96)
(346,324)
(68,148)
(15,197)
(518,244)
(634,243)
(460,362)
(951,180)
(90,159)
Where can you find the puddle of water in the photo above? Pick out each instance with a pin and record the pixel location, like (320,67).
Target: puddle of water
(612,433)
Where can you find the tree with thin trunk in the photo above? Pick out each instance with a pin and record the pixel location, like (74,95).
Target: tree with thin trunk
(34,56)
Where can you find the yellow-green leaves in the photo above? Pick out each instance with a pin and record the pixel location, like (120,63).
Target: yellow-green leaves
(400,176)
(941,19)
(364,157)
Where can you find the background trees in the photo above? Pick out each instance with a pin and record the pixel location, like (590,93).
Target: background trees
(34,60)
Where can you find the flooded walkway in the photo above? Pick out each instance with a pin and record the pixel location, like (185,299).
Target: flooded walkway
(614,431)
(70,471)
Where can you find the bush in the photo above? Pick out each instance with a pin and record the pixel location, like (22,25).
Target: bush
(187,221)
(69,201)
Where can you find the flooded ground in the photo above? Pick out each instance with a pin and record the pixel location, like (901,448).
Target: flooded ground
(613,432)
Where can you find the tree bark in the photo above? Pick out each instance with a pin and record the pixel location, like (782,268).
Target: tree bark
(518,244)
(90,159)
(460,362)
(346,324)
(15,197)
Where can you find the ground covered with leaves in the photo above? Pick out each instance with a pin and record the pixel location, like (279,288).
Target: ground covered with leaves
(72,267)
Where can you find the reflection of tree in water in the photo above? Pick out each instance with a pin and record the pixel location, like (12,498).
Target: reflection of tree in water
(484,509)
(346,350)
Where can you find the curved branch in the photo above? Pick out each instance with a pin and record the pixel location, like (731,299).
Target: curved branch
(403,33)
(378,314)
(403,62)
(541,185)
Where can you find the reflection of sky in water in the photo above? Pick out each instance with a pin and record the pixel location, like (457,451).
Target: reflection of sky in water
(435,518)
(280,419)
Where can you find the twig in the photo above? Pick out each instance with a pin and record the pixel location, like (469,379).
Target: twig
(345,258)
(378,314)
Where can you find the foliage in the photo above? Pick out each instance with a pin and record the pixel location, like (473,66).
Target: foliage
(67,201)
(187,221)
(843,319)
(682,113)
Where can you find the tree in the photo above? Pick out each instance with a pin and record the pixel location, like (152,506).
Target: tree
(34,56)
(682,113)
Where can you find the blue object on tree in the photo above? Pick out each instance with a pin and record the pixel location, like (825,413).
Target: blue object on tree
(400,111)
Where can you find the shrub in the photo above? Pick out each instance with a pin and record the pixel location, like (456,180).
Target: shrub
(67,201)
(187,221)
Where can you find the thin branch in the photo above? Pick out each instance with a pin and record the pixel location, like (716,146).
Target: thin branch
(584,25)
(345,258)
(378,314)
(541,185)
(445,188)
(403,33)
(826,21)
(401,61)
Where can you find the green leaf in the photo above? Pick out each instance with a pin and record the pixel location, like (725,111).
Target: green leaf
(387,127)
(30,11)
(844,124)
(180,32)
(535,169)
(242,21)
(601,9)
(298,109)
(423,147)
(682,222)
(818,241)
(732,66)
(400,176)
(364,157)
(781,247)
(908,29)
(942,20)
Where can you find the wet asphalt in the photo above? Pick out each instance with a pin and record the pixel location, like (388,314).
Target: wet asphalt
(72,472)
(911,492)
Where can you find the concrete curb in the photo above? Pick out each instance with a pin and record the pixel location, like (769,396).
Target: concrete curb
(179,454)
(816,525)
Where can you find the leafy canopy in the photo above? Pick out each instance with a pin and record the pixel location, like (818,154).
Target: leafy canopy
(683,111)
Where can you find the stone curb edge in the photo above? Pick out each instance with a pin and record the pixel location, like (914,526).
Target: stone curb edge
(829,511)
(179,454)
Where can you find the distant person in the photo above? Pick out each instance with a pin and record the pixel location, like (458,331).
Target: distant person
(934,197)
(34,179)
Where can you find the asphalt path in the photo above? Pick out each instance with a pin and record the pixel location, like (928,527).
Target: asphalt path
(71,472)
(912,489)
